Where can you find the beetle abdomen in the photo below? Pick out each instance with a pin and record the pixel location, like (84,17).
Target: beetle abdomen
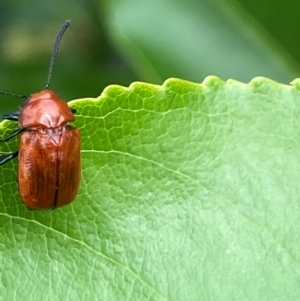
(49,173)
(69,169)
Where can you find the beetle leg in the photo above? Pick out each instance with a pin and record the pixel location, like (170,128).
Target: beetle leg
(11,116)
(73,110)
(13,134)
(6,158)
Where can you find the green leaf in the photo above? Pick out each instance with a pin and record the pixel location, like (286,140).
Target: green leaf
(189,192)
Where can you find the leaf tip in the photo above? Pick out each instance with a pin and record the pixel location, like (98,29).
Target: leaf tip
(212,80)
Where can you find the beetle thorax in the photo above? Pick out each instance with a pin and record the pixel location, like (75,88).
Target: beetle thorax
(45,109)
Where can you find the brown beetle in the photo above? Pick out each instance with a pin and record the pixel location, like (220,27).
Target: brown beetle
(49,153)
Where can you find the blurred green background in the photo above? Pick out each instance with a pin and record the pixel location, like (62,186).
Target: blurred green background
(120,41)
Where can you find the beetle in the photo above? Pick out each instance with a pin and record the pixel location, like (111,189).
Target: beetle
(49,152)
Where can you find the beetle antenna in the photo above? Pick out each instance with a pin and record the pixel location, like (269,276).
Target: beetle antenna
(55,51)
(13,94)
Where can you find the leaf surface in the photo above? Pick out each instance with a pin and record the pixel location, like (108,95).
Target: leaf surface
(189,191)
